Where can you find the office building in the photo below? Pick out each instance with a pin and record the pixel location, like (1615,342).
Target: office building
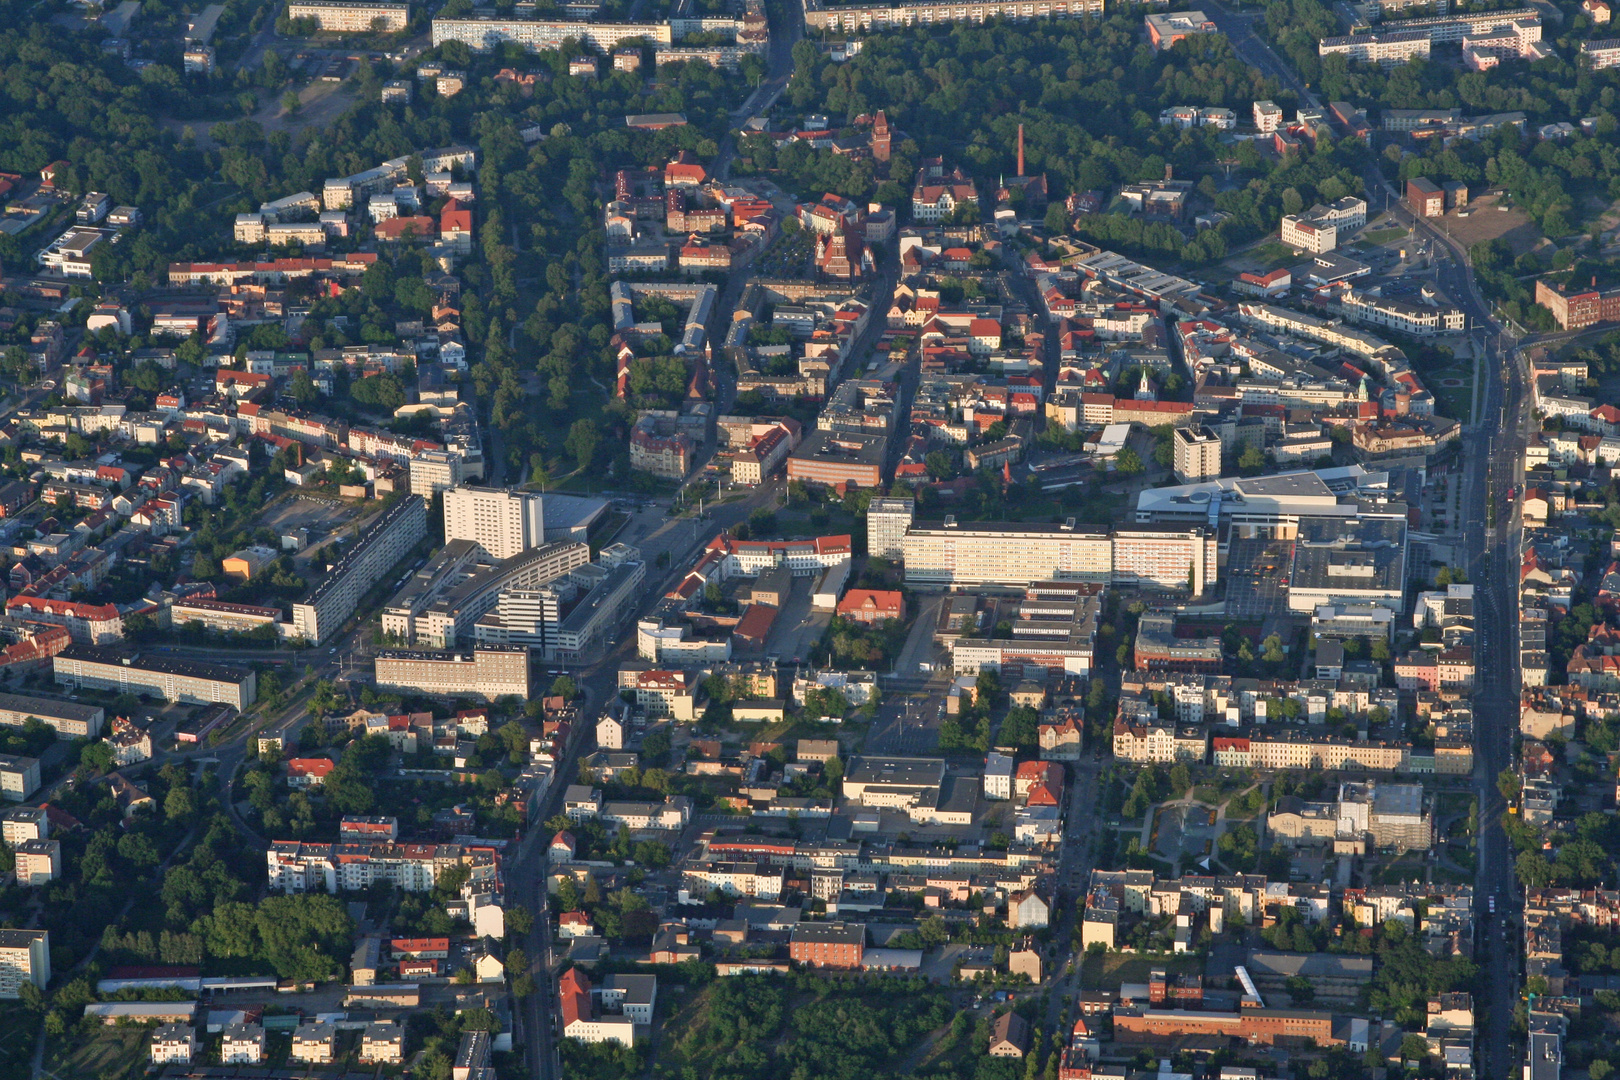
(502,522)
(838,458)
(439,611)
(25,956)
(352,16)
(828,945)
(1005,553)
(1575,307)
(93,668)
(953,553)
(1425,196)
(70,719)
(1197,454)
(377,550)
(580,1016)
(433,471)
(569,618)
(486,671)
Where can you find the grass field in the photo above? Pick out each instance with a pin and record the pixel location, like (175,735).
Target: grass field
(1383,236)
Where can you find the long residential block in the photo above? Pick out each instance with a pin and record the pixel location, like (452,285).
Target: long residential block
(94,668)
(70,719)
(488,671)
(384,543)
(865,17)
(294,866)
(353,17)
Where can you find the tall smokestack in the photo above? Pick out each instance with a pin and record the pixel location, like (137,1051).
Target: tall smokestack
(1020,149)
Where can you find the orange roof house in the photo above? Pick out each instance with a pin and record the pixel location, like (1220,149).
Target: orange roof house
(872,605)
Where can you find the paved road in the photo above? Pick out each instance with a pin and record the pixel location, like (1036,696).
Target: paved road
(1493,449)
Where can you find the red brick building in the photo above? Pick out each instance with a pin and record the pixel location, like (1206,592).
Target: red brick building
(1425,196)
(1575,309)
(828,945)
(1256,1027)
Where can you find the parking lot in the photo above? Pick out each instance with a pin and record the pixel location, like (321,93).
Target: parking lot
(799,625)
(1256,578)
(319,516)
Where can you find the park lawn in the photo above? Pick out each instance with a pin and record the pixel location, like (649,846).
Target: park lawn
(105,1052)
(1107,971)
(1456,402)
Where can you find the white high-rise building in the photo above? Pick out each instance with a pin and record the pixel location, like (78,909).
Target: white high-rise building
(886,523)
(501,521)
(25,956)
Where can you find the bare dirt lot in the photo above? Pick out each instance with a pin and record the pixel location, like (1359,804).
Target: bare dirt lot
(1486,220)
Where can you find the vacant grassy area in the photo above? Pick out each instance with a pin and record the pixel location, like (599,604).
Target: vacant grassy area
(1405,868)
(102,1052)
(1272,255)
(18,1028)
(1108,971)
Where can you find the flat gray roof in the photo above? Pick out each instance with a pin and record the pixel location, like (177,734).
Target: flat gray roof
(919,772)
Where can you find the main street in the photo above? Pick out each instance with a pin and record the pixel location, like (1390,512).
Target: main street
(1492,463)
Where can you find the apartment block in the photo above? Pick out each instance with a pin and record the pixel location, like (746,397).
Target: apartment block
(38,862)
(866,17)
(94,668)
(19,824)
(173,1044)
(1197,454)
(1389,48)
(352,18)
(25,956)
(1601,54)
(242,1044)
(222,617)
(70,719)
(298,867)
(387,540)
(486,671)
